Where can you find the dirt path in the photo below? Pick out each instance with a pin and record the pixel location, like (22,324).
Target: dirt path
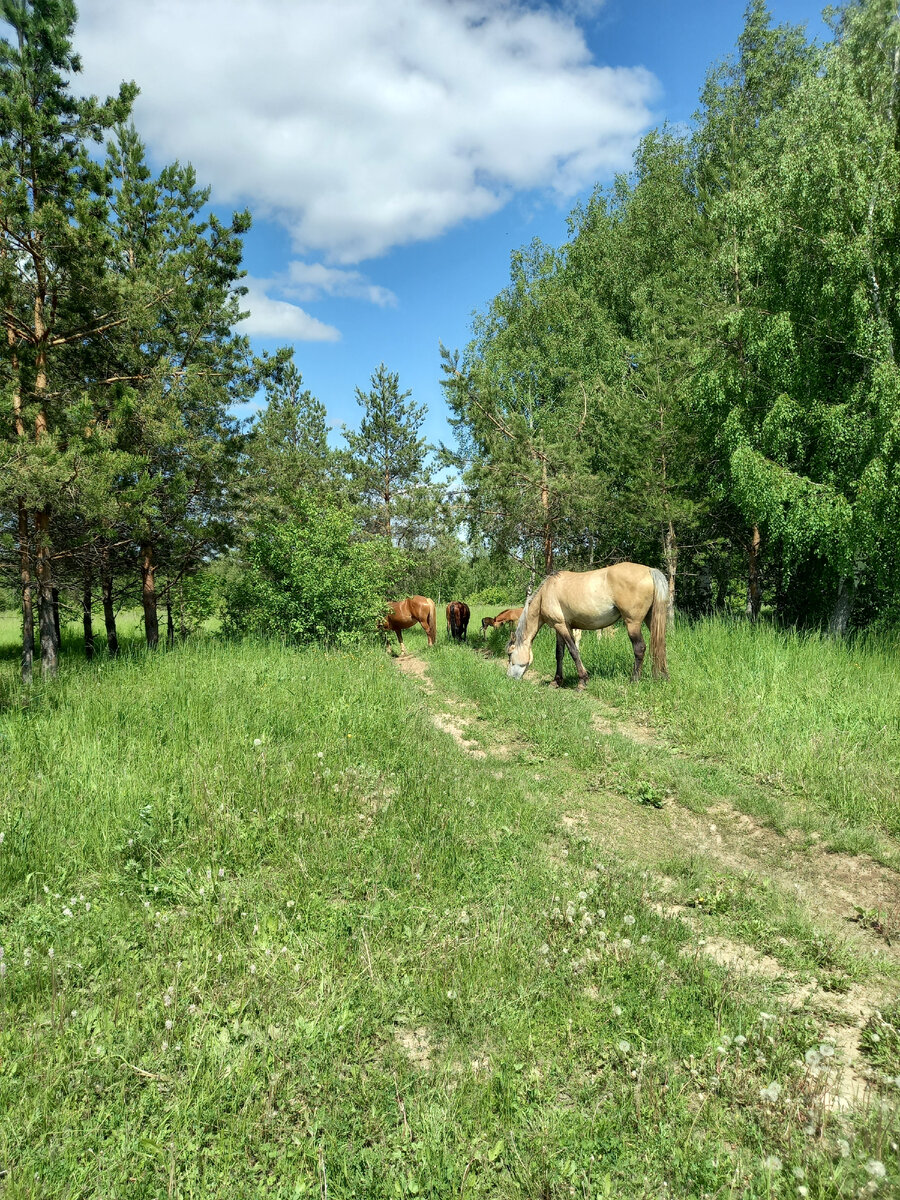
(852,897)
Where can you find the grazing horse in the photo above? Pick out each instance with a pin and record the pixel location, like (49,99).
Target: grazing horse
(509,616)
(403,614)
(457,619)
(570,600)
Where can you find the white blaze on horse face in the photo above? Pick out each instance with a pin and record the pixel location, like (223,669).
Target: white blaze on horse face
(519,660)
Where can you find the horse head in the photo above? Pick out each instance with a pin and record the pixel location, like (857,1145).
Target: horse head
(519,655)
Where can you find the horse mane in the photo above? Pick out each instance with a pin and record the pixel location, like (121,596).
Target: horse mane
(520,627)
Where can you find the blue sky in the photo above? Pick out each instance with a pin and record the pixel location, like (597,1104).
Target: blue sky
(394,153)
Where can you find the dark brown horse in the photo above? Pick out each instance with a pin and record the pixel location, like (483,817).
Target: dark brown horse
(457,620)
(403,614)
(509,616)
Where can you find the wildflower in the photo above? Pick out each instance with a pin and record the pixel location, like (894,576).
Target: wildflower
(645,939)
(167,999)
(802,1191)
(799,1173)
(601,913)
(545,949)
(771,1093)
(218,958)
(876,1169)
(252,968)
(2,969)
(221,872)
(291,903)
(50,952)
(67,912)
(764,1016)
(628,919)
(813,1057)
(451,995)
(165,1046)
(582,896)
(721,1049)
(772,1163)
(169,1023)
(617,1010)
(257,741)
(844,1147)
(2,838)
(87,907)
(320,755)
(626,943)
(624,1046)
(740,1040)
(826,1050)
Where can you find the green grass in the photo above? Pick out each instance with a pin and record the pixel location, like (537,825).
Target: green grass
(804,729)
(389,970)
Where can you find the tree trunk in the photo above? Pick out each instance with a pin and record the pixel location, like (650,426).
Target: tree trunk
(183,629)
(843,606)
(108,611)
(754,589)
(148,595)
(27,598)
(87,617)
(670,554)
(170,624)
(548,523)
(46,621)
(56,616)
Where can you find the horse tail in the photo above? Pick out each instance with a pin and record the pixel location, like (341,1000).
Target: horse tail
(432,622)
(658,618)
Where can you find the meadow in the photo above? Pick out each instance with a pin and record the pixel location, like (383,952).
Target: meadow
(296,922)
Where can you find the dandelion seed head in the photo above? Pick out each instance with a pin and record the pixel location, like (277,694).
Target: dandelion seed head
(257,741)
(67,912)
(876,1169)
(451,995)
(740,1040)
(813,1057)
(628,919)
(624,1046)
(771,1093)
(826,1050)
(169,1023)
(772,1163)
(626,943)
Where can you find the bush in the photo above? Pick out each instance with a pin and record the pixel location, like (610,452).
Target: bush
(307,579)
(495,594)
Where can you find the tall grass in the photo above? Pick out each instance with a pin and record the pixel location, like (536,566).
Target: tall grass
(303,945)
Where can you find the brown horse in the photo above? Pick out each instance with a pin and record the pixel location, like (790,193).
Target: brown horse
(457,620)
(570,600)
(403,614)
(509,616)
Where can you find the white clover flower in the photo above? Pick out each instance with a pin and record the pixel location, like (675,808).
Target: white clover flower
(169,1023)
(645,938)
(50,952)
(771,1093)
(628,919)
(320,754)
(165,1047)
(451,995)
(167,999)
(67,912)
(876,1169)
(257,741)
(87,907)
(253,968)
(218,958)
(772,1163)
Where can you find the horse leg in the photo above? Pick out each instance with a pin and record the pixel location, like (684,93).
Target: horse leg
(399,633)
(572,646)
(560,655)
(638,645)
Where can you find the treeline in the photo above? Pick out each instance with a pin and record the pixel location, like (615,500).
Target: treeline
(705,375)
(124,472)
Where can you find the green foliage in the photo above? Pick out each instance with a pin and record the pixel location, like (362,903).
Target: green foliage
(307,579)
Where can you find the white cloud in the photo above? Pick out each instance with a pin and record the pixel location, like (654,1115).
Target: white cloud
(361,125)
(279,319)
(310,281)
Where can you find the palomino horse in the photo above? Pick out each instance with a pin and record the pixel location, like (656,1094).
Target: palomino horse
(403,614)
(570,600)
(457,619)
(509,616)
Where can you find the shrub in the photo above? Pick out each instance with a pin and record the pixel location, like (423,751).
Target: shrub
(307,579)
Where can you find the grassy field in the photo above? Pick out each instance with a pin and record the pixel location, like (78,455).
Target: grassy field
(298,923)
